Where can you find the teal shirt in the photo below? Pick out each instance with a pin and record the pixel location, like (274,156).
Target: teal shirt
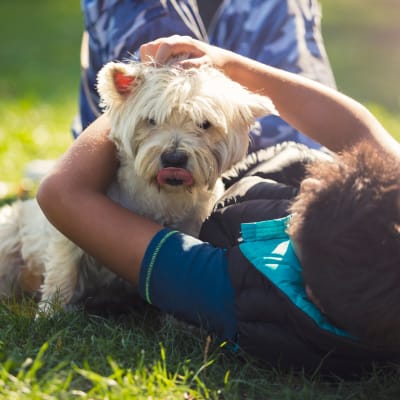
(269,248)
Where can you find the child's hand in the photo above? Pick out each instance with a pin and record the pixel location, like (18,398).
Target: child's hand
(197,53)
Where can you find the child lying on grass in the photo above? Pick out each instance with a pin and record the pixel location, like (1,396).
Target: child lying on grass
(317,289)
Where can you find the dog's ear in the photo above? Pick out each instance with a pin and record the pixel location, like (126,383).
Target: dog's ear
(116,81)
(123,82)
(261,106)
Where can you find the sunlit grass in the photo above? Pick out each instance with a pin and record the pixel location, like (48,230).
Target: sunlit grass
(39,78)
(31,130)
(143,356)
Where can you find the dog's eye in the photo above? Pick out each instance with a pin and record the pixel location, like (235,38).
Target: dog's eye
(151,121)
(205,125)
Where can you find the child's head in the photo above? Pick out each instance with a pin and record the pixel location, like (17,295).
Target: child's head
(347,230)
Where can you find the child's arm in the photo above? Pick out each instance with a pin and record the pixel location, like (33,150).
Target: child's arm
(73,198)
(175,272)
(323,114)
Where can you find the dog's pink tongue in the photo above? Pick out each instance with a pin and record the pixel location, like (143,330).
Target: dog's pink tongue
(174,176)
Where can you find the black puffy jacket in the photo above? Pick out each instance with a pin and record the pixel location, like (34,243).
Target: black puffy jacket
(270,326)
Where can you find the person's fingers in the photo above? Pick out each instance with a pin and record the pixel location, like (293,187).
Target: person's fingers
(165,52)
(161,50)
(148,51)
(193,62)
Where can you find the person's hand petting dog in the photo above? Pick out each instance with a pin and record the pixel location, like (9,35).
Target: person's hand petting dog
(197,52)
(324,114)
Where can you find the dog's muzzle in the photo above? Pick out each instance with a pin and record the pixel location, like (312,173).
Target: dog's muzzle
(173,171)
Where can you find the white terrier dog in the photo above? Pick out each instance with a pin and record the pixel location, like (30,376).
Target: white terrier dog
(176,131)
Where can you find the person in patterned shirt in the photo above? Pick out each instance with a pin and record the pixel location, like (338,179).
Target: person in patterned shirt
(281,33)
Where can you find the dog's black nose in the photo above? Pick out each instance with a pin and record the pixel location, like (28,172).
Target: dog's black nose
(177,159)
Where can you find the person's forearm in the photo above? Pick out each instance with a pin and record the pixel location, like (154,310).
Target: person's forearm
(324,114)
(72,198)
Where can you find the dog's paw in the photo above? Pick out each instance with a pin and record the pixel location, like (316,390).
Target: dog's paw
(47,308)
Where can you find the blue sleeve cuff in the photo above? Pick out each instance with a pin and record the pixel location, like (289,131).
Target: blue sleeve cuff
(188,278)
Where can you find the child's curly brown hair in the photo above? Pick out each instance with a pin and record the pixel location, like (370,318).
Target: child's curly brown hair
(347,231)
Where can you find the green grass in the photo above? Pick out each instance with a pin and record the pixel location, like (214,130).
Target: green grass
(141,356)
(39,78)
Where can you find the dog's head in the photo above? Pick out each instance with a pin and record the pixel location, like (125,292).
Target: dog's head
(178,128)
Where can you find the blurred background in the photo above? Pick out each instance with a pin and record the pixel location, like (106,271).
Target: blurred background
(362,38)
(39,72)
